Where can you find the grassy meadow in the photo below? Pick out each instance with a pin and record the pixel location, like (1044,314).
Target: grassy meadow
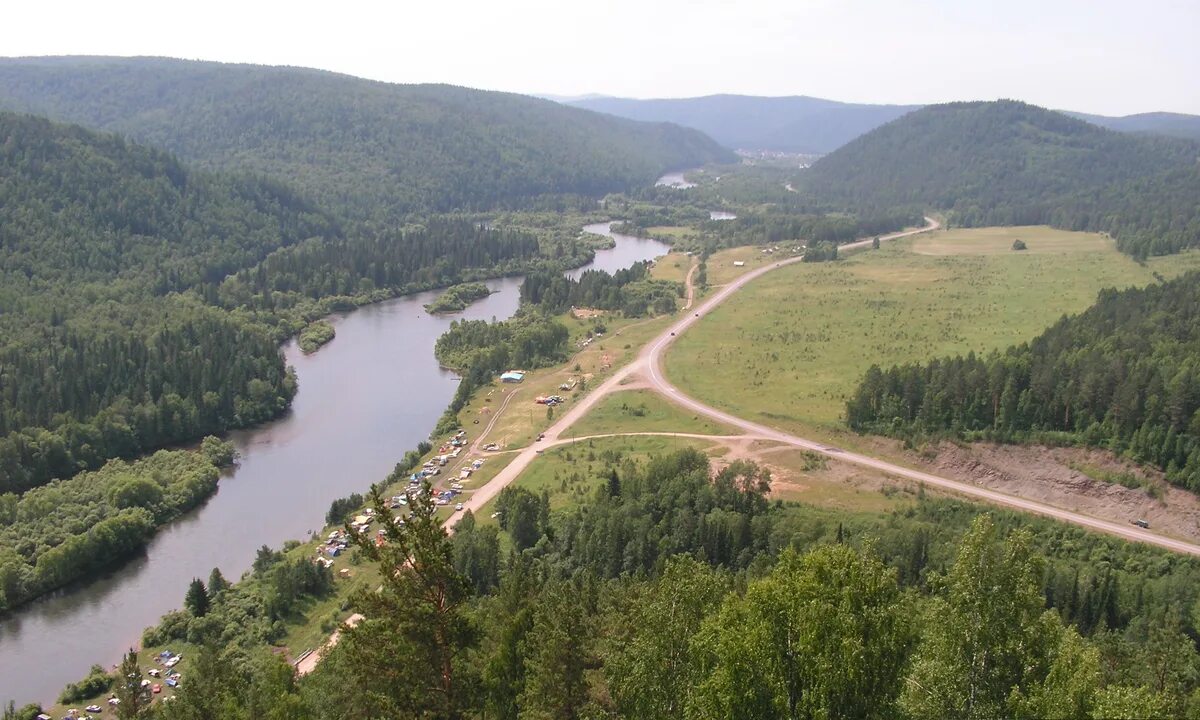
(673,266)
(721,268)
(644,411)
(524,419)
(573,471)
(789,348)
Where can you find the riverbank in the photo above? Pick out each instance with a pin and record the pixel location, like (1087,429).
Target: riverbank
(45,545)
(375,391)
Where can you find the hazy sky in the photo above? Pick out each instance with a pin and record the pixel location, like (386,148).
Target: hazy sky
(1099,56)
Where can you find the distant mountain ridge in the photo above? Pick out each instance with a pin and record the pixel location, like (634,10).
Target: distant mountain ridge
(1158,123)
(373,149)
(804,124)
(789,124)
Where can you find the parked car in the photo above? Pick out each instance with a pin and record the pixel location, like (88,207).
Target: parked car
(458,507)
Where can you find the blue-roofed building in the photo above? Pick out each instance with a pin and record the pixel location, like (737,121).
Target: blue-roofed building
(512,376)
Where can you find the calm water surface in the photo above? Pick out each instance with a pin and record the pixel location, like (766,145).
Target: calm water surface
(675,180)
(365,399)
(628,250)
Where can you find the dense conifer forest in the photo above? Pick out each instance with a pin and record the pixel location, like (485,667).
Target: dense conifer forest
(1124,375)
(371,150)
(105,354)
(144,299)
(631,291)
(676,591)
(1008,163)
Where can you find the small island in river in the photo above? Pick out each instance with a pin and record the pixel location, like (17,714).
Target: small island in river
(457,297)
(316,334)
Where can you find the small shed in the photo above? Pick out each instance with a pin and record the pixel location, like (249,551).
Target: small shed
(512,376)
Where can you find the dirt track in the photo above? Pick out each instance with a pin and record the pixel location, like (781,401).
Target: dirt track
(647,368)
(652,357)
(648,365)
(645,365)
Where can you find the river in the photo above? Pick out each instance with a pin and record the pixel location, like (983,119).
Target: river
(364,399)
(675,180)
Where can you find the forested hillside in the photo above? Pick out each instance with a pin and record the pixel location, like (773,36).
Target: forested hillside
(368,149)
(143,302)
(674,591)
(1124,375)
(800,124)
(1008,163)
(1154,215)
(789,124)
(101,357)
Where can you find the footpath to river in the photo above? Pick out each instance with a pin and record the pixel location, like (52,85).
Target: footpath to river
(366,398)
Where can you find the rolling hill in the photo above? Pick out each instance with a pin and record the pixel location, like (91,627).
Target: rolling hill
(371,149)
(788,124)
(815,126)
(1009,163)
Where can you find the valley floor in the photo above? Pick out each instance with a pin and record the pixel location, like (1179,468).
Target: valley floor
(801,335)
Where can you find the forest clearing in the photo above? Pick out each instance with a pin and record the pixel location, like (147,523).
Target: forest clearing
(790,348)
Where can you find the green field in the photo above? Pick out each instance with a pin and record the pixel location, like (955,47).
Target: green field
(789,348)
(673,266)
(573,471)
(643,411)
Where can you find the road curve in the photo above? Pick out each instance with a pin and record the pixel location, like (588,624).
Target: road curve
(641,364)
(649,364)
(655,376)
